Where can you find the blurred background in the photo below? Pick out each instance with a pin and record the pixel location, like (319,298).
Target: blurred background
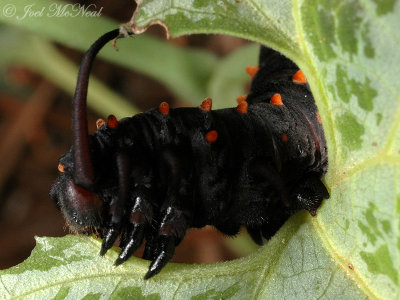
(39,56)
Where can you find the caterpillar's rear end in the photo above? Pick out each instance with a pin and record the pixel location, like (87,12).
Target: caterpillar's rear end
(154,175)
(293,116)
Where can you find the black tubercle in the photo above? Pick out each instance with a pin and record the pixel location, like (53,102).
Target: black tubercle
(161,172)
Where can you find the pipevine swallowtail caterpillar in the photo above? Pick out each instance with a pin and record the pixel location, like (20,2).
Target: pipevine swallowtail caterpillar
(154,175)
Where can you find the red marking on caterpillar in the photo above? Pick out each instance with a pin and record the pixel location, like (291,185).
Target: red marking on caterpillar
(299,77)
(164,108)
(206,105)
(99,123)
(242,107)
(276,99)
(212,136)
(241,99)
(319,118)
(61,168)
(112,122)
(252,70)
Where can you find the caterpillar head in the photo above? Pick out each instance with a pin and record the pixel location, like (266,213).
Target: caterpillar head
(81,207)
(75,191)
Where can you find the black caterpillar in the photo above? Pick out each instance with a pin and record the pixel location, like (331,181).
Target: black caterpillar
(152,176)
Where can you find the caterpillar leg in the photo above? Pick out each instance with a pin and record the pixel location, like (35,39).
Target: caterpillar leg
(117,206)
(140,216)
(151,241)
(175,215)
(172,230)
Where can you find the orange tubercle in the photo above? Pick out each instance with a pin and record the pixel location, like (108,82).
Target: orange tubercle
(252,70)
(212,136)
(242,107)
(112,122)
(61,168)
(206,105)
(241,99)
(319,118)
(299,78)
(284,137)
(164,108)
(276,99)
(99,123)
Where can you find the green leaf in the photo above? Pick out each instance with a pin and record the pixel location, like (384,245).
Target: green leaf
(348,51)
(71,267)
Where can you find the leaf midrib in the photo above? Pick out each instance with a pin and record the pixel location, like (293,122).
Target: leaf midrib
(340,260)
